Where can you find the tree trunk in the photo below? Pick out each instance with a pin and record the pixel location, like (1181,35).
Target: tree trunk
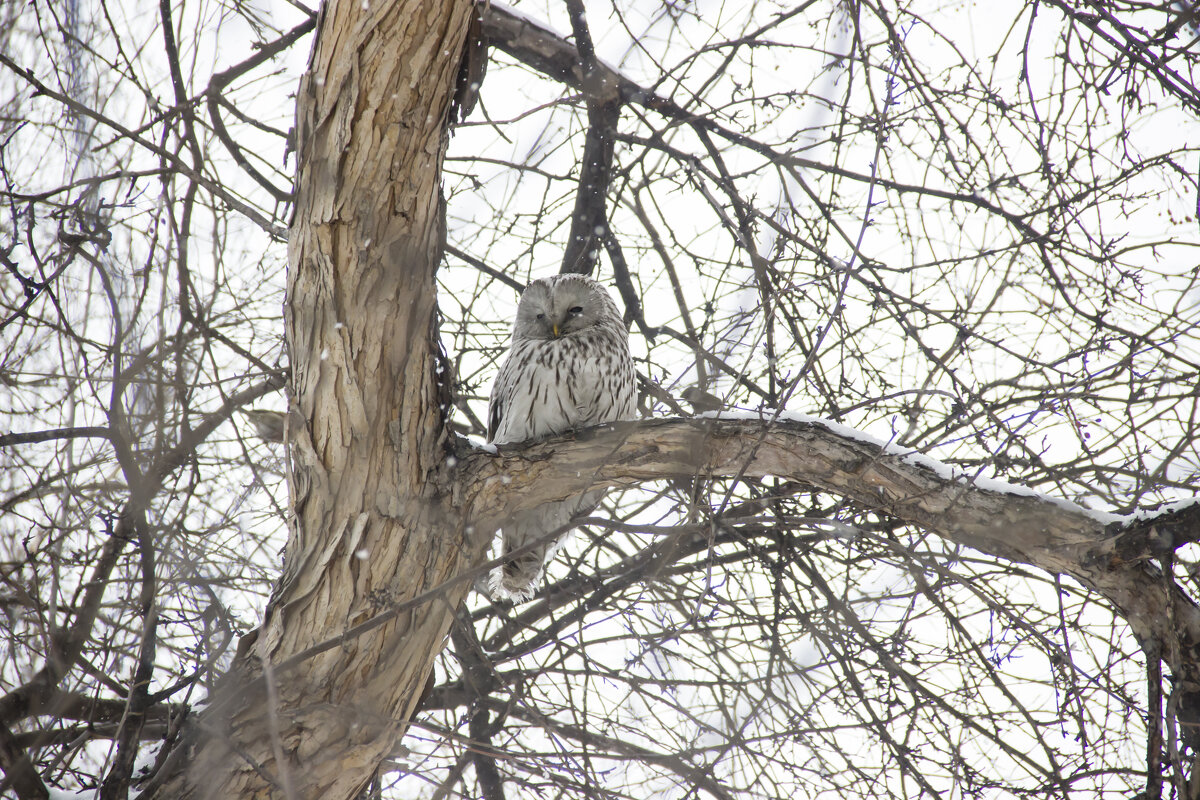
(361,323)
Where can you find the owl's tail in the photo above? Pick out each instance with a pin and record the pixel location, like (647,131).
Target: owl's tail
(518,579)
(519,576)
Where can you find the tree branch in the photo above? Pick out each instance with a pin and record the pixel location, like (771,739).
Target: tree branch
(589,222)
(479,681)
(913,488)
(19,772)
(92,432)
(1008,522)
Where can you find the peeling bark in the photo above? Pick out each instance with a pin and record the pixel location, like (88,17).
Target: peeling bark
(361,319)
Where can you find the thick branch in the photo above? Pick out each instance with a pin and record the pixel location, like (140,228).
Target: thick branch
(1012,524)
(1050,535)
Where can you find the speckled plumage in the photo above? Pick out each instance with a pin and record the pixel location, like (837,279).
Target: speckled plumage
(568,367)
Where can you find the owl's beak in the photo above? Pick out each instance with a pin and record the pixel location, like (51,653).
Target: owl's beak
(554,327)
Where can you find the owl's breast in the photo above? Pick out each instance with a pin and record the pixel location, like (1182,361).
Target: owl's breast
(561,384)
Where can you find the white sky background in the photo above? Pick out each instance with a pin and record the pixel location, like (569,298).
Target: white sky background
(1158,225)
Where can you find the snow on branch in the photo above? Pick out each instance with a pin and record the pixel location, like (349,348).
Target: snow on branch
(1006,521)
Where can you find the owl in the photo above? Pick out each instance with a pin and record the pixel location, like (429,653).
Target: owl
(568,367)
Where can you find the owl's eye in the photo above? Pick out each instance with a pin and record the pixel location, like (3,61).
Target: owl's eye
(541,316)
(575,310)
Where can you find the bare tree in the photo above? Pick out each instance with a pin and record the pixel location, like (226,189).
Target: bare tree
(962,240)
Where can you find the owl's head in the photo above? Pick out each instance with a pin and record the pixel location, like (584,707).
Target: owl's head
(561,305)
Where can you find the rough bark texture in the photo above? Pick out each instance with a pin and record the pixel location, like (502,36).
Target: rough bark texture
(361,318)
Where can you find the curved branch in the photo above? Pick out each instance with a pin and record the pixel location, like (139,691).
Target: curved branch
(1005,521)
(239,156)
(1016,525)
(215,95)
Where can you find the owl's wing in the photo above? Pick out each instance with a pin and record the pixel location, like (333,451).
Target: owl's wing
(501,397)
(495,414)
